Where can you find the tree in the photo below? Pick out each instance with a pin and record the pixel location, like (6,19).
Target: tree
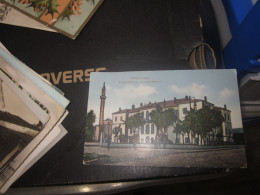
(89,129)
(189,123)
(117,131)
(133,122)
(163,119)
(217,119)
(205,121)
(180,128)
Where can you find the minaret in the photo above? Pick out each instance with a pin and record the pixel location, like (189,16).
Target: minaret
(102,105)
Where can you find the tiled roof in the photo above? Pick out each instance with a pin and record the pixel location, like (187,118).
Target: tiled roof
(163,104)
(122,111)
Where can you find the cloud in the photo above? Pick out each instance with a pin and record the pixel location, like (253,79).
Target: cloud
(226,94)
(196,90)
(131,92)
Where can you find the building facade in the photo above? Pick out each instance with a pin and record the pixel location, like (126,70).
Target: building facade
(147,132)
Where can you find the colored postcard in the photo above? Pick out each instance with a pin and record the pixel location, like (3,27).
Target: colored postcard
(11,16)
(65,16)
(186,118)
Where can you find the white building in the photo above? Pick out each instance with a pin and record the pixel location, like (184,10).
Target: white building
(147,132)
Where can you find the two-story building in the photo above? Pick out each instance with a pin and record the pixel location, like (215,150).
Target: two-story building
(147,132)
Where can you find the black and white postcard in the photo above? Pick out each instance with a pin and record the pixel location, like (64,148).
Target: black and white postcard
(31,112)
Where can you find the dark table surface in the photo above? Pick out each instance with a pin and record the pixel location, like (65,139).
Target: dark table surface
(110,39)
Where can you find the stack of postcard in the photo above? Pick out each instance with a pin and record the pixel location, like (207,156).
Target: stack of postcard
(31,112)
(65,16)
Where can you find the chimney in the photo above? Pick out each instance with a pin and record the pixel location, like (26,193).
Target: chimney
(164,103)
(141,104)
(205,98)
(119,108)
(225,106)
(133,107)
(186,98)
(175,100)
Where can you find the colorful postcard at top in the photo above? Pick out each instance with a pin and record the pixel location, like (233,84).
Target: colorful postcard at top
(65,16)
(11,16)
(164,118)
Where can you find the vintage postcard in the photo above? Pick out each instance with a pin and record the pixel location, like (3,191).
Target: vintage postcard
(22,118)
(30,111)
(31,80)
(65,16)
(186,118)
(11,16)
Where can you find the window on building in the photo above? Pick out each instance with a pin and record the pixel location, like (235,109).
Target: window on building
(147,140)
(126,131)
(147,115)
(184,111)
(228,116)
(142,129)
(116,118)
(147,129)
(152,129)
(121,118)
(187,141)
(143,115)
(131,131)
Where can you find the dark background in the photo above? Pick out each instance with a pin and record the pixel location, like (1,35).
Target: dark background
(124,35)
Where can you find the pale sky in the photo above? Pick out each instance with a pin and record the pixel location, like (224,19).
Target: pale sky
(124,89)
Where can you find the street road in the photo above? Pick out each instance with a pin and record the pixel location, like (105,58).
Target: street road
(217,158)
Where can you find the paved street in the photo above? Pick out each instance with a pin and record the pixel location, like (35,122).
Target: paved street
(217,158)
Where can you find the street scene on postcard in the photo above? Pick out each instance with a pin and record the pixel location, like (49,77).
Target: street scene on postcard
(164,118)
